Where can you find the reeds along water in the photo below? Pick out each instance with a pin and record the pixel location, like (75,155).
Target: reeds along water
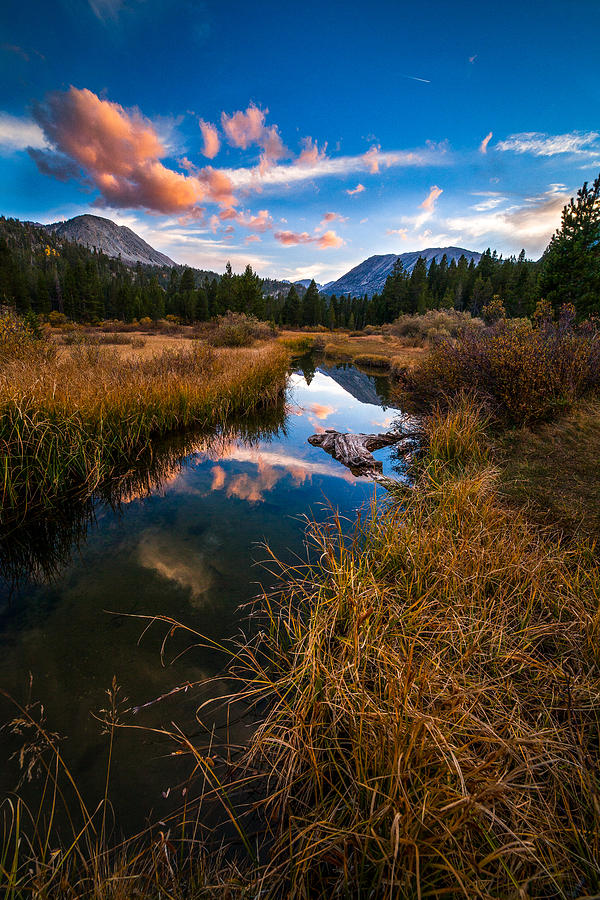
(69,421)
(428,691)
(432,692)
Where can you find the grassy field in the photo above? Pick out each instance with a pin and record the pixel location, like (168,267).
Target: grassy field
(427,687)
(554,468)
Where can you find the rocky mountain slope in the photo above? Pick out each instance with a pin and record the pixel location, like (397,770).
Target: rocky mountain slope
(114,240)
(369,276)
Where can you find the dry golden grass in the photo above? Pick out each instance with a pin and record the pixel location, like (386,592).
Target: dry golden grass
(344,347)
(433,696)
(70,419)
(429,694)
(555,469)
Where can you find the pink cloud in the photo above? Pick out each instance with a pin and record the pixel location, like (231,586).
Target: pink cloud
(330,239)
(218,478)
(244,129)
(262,221)
(310,153)
(357,190)
(484,144)
(371,158)
(323,242)
(120,152)
(218,186)
(291,238)
(252,239)
(210,136)
(429,201)
(321,411)
(402,232)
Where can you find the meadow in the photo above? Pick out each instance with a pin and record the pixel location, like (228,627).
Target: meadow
(74,416)
(424,691)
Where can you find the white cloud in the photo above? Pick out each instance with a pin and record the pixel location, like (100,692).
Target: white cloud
(540,144)
(530,224)
(18,134)
(254,179)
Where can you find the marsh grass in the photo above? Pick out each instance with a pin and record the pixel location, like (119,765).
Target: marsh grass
(554,469)
(69,420)
(432,693)
(427,689)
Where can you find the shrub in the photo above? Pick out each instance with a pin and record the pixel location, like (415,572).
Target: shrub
(433,326)
(20,337)
(238,330)
(494,311)
(56,319)
(524,373)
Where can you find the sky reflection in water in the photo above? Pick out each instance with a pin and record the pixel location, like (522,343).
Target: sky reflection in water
(189,550)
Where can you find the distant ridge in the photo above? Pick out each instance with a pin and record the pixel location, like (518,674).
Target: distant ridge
(112,239)
(370,276)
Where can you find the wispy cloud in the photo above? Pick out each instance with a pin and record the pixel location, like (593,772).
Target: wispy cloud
(540,144)
(428,203)
(484,144)
(530,224)
(106,9)
(401,232)
(327,166)
(357,190)
(18,134)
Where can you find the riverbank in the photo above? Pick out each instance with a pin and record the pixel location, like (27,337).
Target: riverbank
(71,418)
(383,352)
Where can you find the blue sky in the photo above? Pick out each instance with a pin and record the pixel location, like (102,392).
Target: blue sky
(300,138)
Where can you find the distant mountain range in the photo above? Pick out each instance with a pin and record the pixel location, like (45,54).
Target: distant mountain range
(370,276)
(119,241)
(305,283)
(112,239)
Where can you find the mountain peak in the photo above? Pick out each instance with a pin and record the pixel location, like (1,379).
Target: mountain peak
(370,275)
(112,239)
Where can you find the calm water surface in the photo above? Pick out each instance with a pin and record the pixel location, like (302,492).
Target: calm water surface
(186,542)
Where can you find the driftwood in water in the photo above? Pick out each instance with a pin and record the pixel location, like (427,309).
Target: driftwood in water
(354,450)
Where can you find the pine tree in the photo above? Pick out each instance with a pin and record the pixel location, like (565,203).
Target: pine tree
(292,309)
(312,305)
(571,264)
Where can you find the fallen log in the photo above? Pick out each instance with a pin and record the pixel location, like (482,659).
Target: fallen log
(355,450)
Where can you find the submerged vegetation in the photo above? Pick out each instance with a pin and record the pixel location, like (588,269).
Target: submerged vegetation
(71,419)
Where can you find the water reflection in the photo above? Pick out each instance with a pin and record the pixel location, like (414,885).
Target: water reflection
(36,550)
(179,534)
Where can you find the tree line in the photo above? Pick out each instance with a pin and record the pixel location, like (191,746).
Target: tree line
(41,272)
